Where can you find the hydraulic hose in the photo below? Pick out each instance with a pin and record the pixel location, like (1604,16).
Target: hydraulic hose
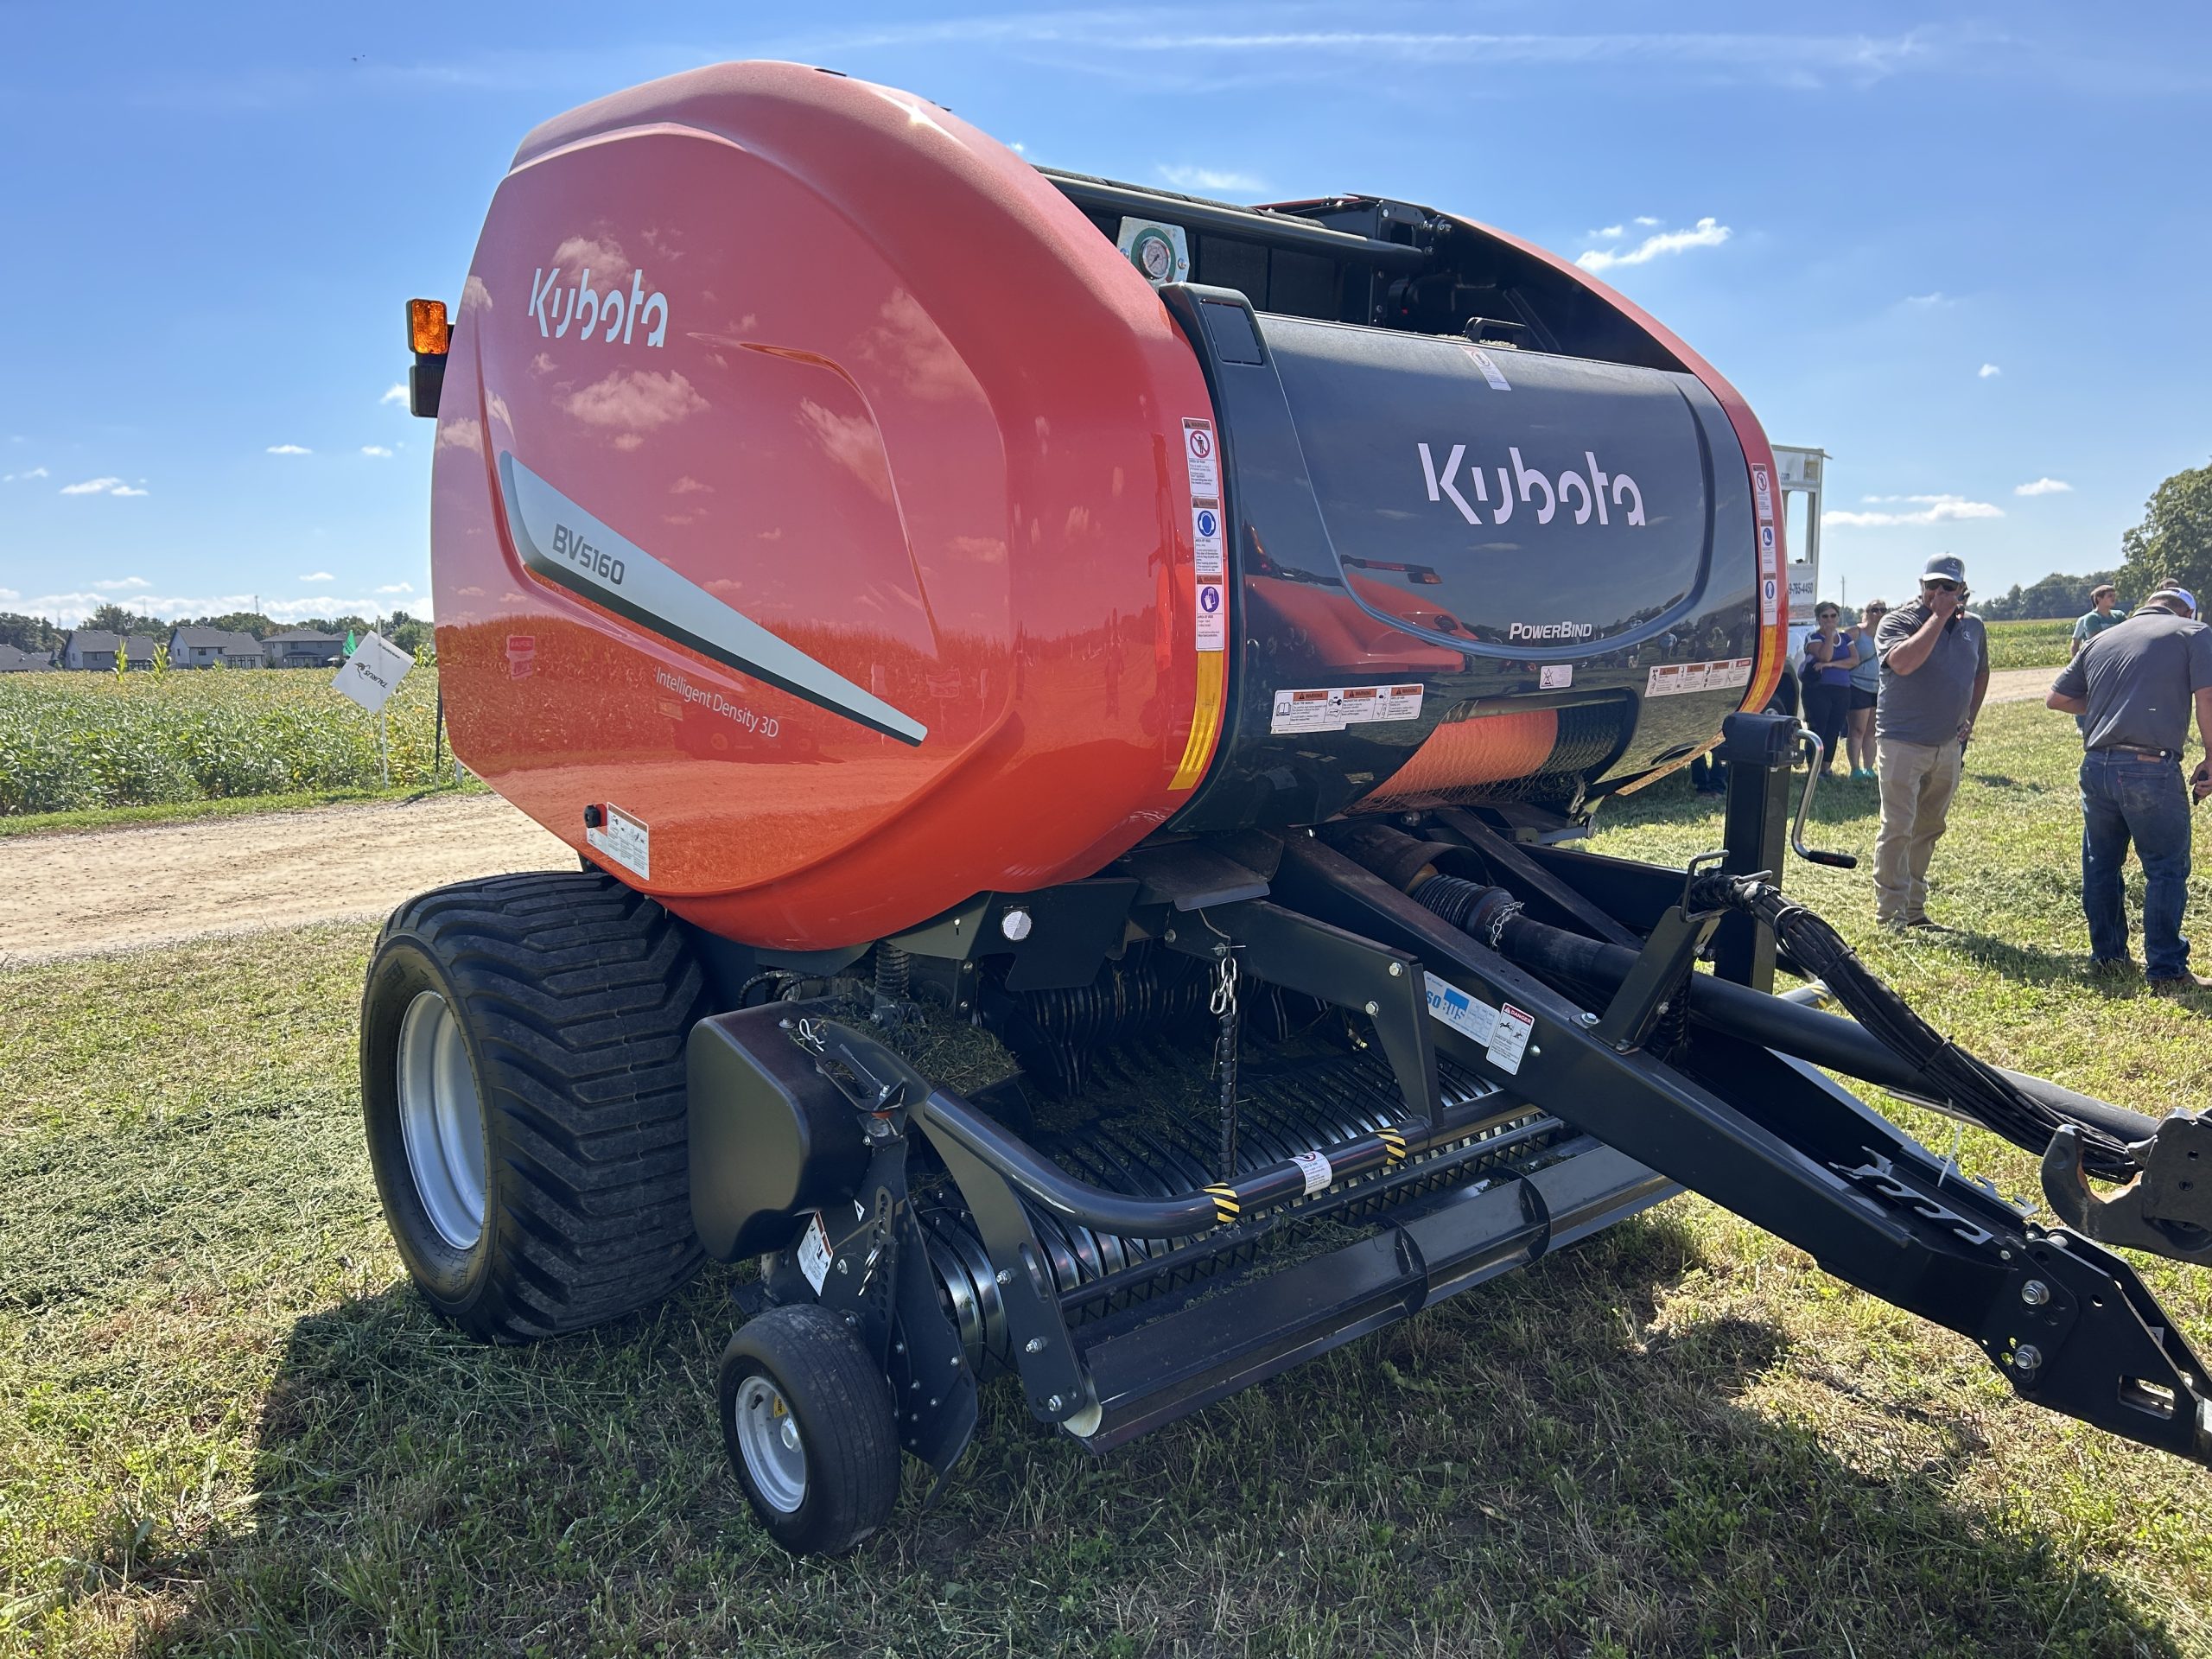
(1975,1087)
(1889,1045)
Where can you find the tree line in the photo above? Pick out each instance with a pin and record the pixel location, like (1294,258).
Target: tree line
(412,634)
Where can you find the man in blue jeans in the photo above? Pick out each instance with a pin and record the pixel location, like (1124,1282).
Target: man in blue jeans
(2135,685)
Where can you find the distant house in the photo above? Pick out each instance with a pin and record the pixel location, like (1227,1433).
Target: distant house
(14,660)
(198,647)
(304,648)
(95,648)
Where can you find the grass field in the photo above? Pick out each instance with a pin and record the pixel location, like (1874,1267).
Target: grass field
(226,1427)
(77,742)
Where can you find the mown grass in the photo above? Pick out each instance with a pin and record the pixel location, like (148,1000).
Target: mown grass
(2039,644)
(227,1427)
(83,742)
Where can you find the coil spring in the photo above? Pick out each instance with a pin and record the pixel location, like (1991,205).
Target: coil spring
(893,970)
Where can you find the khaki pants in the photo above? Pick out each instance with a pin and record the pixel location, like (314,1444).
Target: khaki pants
(1917,780)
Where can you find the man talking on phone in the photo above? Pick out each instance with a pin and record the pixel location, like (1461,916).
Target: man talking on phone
(2135,686)
(1934,673)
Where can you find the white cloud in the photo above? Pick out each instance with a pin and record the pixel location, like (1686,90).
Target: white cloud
(35,472)
(1988,370)
(316,576)
(636,400)
(123,585)
(1707,233)
(8,593)
(1611,234)
(2044,486)
(376,449)
(1646,220)
(100,486)
(1934,297)
(288,449)
(124,489)
(395,395)
(1927,510)
(1209,178)
(398,588)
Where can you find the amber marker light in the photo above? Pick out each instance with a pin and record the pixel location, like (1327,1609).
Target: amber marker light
(427,327)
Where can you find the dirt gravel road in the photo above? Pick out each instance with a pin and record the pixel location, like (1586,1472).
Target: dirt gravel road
(96,891)
(79,894)
(2019,684)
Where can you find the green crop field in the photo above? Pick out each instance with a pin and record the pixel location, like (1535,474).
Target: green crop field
(2031,644)
(227,1426)
(74,742)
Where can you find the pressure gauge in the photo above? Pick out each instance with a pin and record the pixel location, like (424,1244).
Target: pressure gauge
(1159,252)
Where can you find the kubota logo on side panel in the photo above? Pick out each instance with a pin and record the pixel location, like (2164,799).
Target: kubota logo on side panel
(1523,483)
(584,307)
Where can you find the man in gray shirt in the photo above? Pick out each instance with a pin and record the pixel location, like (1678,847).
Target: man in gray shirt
(1934,673)
(2134,687)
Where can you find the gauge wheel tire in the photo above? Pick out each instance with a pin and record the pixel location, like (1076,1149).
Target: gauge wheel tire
(523,1090)
(809,1424)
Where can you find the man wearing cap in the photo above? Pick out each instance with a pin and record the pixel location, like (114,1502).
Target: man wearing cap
(2134,687)
(1934,673)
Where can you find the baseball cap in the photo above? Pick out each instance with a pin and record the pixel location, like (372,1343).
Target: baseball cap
(2181,594)
(1947,566)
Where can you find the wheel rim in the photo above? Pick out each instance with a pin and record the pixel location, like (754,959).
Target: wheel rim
(441,1120)
(768,1436)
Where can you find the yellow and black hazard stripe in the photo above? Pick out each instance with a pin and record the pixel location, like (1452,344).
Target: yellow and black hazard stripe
(1225,1206)
(1393,1144)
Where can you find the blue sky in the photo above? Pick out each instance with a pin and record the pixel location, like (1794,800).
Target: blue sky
(1966,255)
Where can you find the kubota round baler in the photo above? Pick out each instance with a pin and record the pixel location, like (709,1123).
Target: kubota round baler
(1162,645)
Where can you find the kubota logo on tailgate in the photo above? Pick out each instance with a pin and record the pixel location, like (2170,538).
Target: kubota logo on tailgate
(1523,483)
(585,307)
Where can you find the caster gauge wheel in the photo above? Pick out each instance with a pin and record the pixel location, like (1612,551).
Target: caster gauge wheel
(808,1421)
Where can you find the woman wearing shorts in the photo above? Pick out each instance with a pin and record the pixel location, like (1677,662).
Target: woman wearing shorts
(1866,681)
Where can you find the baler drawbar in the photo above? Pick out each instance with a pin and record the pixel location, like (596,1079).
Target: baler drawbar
(1073,704)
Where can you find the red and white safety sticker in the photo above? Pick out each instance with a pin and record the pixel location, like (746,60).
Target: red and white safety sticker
(1763,493)
(1314,1167)
(1509,1040)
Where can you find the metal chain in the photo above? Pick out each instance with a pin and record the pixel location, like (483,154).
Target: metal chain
(1224,1008)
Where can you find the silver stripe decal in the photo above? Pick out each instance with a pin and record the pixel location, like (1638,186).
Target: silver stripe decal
(559,540)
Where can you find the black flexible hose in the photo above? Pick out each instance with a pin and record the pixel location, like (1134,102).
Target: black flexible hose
(1974,1087)
(1889,1045)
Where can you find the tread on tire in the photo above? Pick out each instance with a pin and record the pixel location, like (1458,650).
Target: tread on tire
(574,996)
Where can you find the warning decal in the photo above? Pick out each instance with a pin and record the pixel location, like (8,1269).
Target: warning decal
(814,1253)
(1510,1041)
(1204,464)
(1213,616)
(1491,373)
(1314,1167)
(1763,494)
(1209,533)
(1674,679)
(1206,536)
(1333,707)
(625,840)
